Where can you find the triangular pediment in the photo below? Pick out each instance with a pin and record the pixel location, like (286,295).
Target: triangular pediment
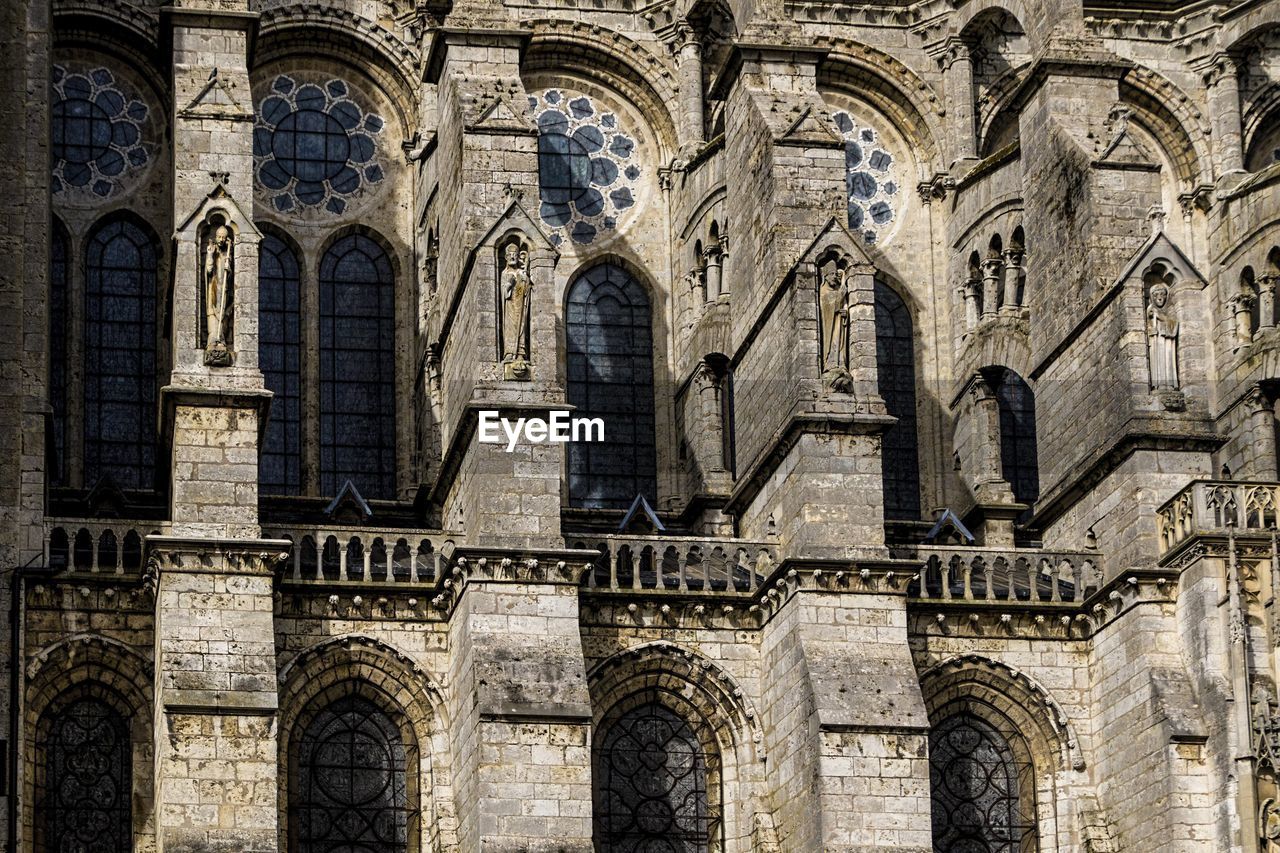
(1124,151)
(499,114)
(1160,248)
(949,529)
(808,126)
(833,237)
(641,518)
(216,100)
(349,506)
(217,199)
(517,218)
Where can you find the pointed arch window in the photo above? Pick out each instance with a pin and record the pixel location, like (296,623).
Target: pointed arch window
(1018,455)
(982,797)
(651,785)
(350,782)
(895,372)
(610,369)
(280,358)
(85,801)
(357,368)
(59,273)
(120,355)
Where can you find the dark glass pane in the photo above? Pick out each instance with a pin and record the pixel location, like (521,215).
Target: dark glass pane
(896,373)
(86,802)
(976,789)
(651,785)
(279,356)
(357,368)
(58,294)
(120,356)
(1018,437)
(351,794)
(610,372)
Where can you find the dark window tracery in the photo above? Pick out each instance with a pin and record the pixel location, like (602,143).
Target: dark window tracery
(279,356)
(351,790)
(980,793)
(86,798)
(357,368)
(1019,464)
(895,371)
(120,356)
(651,785)
(59,270)
(610,373)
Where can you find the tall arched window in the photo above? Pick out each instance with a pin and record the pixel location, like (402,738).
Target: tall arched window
(650,781)
(896,374)
(610,364)
(59,270)
(120,356)
(85,799)
(279,356)
(1018,460)
(982,796)
(357,368)
(349,791)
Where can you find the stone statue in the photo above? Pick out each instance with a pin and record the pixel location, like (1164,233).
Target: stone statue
(833,311)
(217,293)
(1162,339)
(515,285)
(1269,825)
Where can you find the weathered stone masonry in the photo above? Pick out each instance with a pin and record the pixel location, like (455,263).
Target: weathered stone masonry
(939,339)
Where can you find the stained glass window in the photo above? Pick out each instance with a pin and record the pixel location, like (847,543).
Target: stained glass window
(651,785)
(59,246)
(610,372)
(1018,437)
(314,145)
(896,372)
(86,798)
(871,180)
(587,165)
(97,131)
(279,356)
(350,787)
(120,356)
(981,795)
(357,368)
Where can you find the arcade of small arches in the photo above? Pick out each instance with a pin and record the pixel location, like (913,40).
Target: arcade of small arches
(364,755)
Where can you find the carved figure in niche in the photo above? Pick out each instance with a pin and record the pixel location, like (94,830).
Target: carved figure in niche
(515,285)
(833,313)
(1162,338)
(218,282)
(1269,825)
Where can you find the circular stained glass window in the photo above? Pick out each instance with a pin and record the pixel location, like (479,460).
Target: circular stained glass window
(96,132)
(314,145)
(587,166)
(870,178)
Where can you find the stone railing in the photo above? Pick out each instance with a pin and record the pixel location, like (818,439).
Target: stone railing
(677,564)
(340,554)
(1025,576)
(1210,507)
(112,547)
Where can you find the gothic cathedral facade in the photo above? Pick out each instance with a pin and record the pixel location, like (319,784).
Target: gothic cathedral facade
(934,351)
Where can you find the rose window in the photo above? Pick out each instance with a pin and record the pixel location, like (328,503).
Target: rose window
(96,131)
(870,179)
(314,145)
(587,169)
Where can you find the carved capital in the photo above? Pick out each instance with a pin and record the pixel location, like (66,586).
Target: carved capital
(991,267)
(954,49)
(1012,257)
(1222,67)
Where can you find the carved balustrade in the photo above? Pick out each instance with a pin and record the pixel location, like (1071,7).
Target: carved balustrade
(677,564)
(110,547)
(1210,507)
(1003,575)
(360,554)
